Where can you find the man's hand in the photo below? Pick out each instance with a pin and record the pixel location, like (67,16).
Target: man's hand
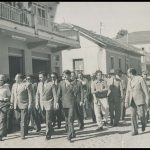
(81,103)
(37,106)
(29,106)
(11,106)
(56,105)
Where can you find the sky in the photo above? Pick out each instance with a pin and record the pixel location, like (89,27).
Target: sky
(132,16)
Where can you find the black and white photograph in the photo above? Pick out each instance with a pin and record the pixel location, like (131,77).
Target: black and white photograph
(74,74)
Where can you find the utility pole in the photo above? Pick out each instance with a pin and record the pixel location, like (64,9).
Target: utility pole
(100,27)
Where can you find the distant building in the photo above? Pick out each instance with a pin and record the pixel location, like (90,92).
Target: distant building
(29,39)
(141,40)
(100,52)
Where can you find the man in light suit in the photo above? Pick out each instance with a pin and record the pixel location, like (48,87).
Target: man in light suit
(136,97)
(46,98)
(21,101)
(67,95)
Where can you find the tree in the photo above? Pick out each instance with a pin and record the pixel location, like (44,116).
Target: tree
(121,33)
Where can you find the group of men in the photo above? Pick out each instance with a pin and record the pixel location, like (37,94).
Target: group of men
(73,96)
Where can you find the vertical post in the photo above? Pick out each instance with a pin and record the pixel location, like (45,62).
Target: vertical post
(100,28)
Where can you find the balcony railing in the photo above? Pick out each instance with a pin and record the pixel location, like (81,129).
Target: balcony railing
(24,17)
(14,14)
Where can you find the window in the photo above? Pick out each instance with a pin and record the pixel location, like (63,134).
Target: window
(57,58)
(119,63)
(112,62)
(78,65)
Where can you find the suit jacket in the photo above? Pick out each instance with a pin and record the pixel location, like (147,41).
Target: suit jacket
(21,95)
(78,91)
(137,90)
(66,94)
(46,97)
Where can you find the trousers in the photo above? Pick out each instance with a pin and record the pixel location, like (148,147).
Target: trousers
(140,111)
(22,116)
(69,119)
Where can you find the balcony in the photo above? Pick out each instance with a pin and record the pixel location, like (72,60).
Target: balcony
(26,18)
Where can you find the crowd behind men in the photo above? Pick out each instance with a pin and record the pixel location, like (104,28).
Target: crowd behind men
(52,99)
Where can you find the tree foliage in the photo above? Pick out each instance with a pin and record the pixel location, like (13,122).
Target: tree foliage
(121,33)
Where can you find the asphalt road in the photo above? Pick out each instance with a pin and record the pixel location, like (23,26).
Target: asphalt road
(110,137)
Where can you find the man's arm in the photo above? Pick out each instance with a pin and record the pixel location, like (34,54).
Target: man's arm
(81,92)
(145,90)
(127,95)
(30,94)
(37,97)
(54,93)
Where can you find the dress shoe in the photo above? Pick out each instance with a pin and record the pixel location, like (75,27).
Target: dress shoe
(134,133)
(99,129)
(69,139)
(73,135)
(38,130)
(23,138)
(48,138)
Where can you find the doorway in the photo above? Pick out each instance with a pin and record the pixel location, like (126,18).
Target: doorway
(15,66)
(40,65)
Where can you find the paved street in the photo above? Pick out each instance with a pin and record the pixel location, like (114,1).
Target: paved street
(116,137)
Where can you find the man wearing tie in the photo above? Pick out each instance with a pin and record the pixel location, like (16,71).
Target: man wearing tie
(21,101)
(66,94)
(137,98)
(46,98)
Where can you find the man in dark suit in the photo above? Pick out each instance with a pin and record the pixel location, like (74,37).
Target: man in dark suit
(67,95)
(79,100)
(46,98)
(21,101)
(58,112)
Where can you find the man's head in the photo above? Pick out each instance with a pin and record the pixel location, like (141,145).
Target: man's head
(131,72)
(112,73)
(29,78)
(119,72)
(80,75)
(19,78)
(54,76)
(2,79)
(67,74)
(42,76)
(98,74)
(73,75)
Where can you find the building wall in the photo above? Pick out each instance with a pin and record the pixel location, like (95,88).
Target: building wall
(92,55)
(7,43)
(145,60)
(129,60)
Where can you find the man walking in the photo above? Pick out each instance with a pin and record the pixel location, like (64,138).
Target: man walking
(21,101)
(67,95)
(99,90)
(115,95)
(78,90)
(46,97)
(136,97)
